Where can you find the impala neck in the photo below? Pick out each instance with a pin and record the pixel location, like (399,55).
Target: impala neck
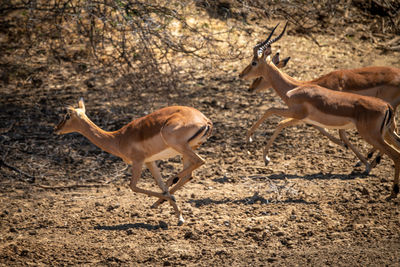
(107,141)
(281,82)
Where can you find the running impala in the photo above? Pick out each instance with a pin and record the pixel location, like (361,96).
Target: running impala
(163,134)
(310,103)
(381,82)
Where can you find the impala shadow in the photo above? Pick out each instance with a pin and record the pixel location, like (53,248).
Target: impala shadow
(320,176)
(124,227)
(256,198)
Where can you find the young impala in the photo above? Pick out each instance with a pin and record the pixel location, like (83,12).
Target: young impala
(163,134)
(316,105)
(381,82)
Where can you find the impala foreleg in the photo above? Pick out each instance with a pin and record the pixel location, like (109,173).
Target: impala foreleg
(291,122)
(286,113)
(281,125)
(136,173)
(330,137)
(157,176)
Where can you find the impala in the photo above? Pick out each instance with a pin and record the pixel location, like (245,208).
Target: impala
(163,134)
(260,84)
(372,117)
(381,82)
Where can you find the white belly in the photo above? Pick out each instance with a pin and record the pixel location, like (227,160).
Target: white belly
(165,154)
(349,125)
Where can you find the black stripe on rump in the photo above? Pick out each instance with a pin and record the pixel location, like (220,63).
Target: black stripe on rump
(387,119)
(199,132)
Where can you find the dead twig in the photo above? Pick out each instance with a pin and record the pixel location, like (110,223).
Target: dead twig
(31,178)
(74,186)
(7,129)
(392,45)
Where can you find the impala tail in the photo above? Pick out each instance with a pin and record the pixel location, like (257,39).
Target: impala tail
(203,133)
(388,120)
(388,130)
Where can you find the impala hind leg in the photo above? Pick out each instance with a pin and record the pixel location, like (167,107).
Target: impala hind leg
(392,150)
(395,156)
(377,159)
(393,143)
(155,171)
(293,113)
(186,163)
(344,138)
(194,162)
(370,153)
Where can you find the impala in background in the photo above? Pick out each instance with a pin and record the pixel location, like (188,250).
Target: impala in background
(372,117)
(376,81)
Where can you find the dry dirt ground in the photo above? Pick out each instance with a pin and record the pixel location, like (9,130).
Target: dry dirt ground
(307,207)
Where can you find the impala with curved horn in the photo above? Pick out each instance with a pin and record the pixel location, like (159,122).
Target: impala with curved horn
(316,105)
(381,82)
(163,134)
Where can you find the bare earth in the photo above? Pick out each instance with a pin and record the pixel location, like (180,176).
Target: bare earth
(307,207)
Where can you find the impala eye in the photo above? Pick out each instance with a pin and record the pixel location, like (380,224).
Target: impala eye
(67,116)
(254,63)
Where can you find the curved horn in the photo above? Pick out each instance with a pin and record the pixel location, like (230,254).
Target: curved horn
(276,38)
(269,37)
(263,44)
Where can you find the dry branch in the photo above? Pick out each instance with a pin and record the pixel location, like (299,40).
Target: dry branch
(75,186)
(31,178)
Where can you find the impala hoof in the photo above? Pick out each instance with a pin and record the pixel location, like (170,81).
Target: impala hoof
(367,170)
(181,221)
(175,180)
(395,190)
(358,164)
(378,159)
(266,160)
(156,204)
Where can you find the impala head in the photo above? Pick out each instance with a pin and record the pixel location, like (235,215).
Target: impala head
(260,84)
(260,53)
(70,122)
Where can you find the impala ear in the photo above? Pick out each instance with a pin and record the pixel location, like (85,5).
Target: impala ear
(282,63)
(267,51)
(275,58)
(82,104)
